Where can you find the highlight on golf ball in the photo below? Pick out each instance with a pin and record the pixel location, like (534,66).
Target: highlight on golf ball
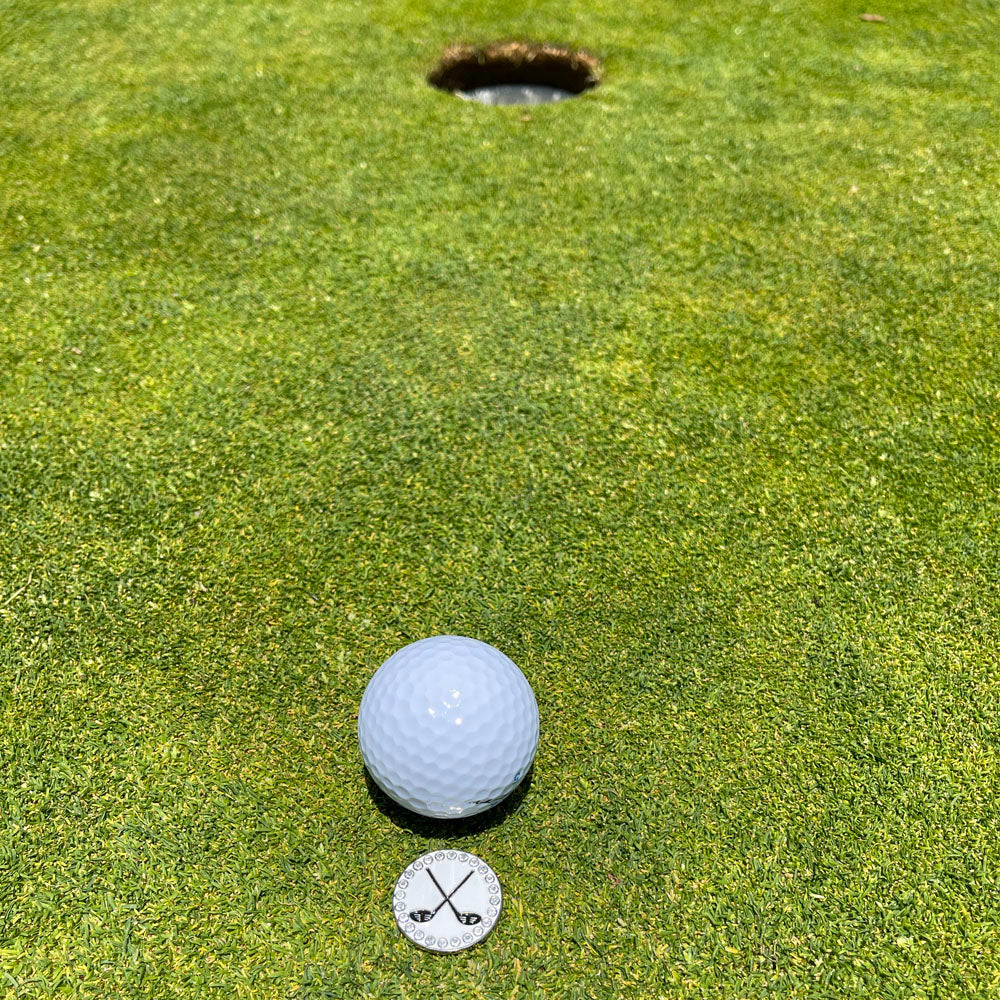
(448,727)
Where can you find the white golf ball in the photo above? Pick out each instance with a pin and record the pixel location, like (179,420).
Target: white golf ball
(448,726)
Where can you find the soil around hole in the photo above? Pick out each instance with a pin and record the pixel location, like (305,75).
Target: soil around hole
(465,68)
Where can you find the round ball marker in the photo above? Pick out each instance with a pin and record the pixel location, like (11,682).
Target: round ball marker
(447,901)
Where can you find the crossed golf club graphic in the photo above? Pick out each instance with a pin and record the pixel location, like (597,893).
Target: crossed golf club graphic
(464,917)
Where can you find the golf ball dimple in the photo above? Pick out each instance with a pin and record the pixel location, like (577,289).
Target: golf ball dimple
(411,744)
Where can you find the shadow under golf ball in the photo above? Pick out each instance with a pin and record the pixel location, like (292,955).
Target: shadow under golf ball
(442,829)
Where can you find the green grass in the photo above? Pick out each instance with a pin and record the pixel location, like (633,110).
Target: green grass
(684,394)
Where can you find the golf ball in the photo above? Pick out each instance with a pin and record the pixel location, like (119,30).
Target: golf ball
(448,726)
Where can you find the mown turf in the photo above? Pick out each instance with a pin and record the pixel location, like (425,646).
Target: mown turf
(684,394)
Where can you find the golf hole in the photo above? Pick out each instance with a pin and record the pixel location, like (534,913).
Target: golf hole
(515,73)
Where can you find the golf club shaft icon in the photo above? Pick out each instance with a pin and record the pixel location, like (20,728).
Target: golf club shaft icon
(463,917)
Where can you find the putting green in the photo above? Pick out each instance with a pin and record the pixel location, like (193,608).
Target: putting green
(683,393)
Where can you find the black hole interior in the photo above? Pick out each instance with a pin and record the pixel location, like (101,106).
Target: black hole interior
(464,68)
